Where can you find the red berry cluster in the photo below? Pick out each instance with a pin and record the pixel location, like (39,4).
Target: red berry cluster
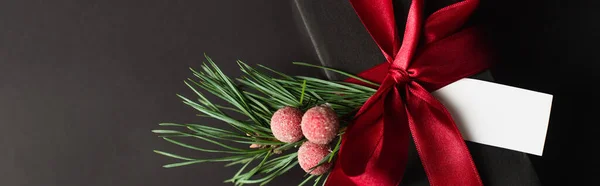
(319,125)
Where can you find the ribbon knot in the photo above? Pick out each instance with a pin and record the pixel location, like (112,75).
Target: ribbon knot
(400,76)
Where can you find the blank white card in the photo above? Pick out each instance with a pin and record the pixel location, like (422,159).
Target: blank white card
(498,115)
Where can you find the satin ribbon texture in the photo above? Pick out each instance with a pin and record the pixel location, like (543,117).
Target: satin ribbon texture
(433,53)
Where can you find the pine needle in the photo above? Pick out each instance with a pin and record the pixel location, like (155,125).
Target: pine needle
(256,95)
(303,89)
(337,71)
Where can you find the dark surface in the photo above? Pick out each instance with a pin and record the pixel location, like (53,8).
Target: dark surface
(83,82)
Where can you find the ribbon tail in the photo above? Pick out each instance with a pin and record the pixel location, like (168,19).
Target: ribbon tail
(442,149)
(376,154)
(396,136)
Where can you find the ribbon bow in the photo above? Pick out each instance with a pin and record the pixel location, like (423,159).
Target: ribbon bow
(375,147)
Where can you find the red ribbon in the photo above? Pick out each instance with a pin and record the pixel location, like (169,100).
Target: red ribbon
(375,147)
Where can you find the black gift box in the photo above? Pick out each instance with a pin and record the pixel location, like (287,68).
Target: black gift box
(341,41)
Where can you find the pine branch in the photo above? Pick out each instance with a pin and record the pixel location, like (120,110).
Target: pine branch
(256,95)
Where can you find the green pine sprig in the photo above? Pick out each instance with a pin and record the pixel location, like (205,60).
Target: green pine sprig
(256,95)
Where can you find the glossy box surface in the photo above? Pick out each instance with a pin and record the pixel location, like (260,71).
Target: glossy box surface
(341,41)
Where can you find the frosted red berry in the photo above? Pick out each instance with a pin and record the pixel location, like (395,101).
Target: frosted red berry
(310,154)
(320,124)
(285,124)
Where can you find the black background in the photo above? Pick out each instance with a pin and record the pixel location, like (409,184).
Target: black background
(551,46)
(82,83)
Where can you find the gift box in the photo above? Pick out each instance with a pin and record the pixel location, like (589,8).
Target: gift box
(341,41)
